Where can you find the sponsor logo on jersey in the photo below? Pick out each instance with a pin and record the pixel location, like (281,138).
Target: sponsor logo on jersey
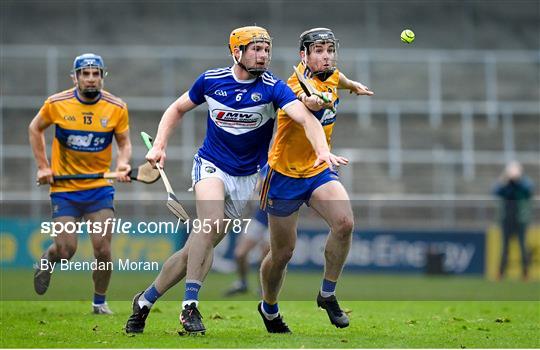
(82,140)
(229,118)
(256,97)
(328,117)
(70,118)
(220,93)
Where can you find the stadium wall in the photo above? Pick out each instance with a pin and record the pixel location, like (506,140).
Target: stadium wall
(374,251)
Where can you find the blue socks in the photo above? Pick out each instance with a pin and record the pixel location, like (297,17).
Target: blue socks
(328,288)
(149,297)
(99,299)
(192,293)
(151,294)
(270,311)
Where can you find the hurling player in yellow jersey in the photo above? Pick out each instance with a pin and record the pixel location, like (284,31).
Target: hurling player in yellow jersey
(293,180)
(86,118)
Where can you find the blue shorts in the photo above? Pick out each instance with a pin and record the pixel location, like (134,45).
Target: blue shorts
(261,217)
(282,195)
(78,203)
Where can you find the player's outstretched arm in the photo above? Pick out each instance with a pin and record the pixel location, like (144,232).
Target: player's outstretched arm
(172,116)
(315,134)
(36,134)
(353,86)
(124,156)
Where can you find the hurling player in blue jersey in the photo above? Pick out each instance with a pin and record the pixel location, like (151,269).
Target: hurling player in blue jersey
(242,102)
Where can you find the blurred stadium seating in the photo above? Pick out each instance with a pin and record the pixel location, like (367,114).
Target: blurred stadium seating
(449,110)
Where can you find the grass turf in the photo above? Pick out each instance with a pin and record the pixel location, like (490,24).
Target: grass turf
(378,324)
(16,284)
(386,311)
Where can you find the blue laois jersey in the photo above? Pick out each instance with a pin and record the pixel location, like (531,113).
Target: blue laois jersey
(241,116)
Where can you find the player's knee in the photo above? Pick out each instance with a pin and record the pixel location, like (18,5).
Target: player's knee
(343,227)
(102,252)
(183,254)
(239,254)
(65,251)
(206,235)
(282,257)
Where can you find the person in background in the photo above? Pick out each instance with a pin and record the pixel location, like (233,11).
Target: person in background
(515,191)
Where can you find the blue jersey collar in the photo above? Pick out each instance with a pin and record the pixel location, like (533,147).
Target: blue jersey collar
(249,81)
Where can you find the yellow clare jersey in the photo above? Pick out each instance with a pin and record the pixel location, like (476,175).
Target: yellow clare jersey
(83,136)
(292,154)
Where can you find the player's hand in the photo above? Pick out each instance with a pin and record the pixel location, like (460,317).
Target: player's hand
(315,103)
(360,89)
(156,155)
(122,171)
(331,159)
(45,176)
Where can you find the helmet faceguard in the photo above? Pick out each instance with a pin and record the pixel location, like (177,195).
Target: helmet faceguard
(240,38)
(88,60)
(314,36)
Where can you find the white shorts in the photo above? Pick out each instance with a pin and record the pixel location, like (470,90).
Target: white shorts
(257,232)
(238,189)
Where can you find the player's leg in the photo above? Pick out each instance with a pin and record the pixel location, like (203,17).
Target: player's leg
(241,253)
(273,268)
(172,272)
(281,197)
(64,244)
(264,249)
(101,243)
(241,256)
(210,197)
(282,243)
(210,204)
(264,242)
(331,201)
(217,194)
(255,234)
(175,267)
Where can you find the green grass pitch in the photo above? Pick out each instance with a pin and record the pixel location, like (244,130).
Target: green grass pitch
(385,312)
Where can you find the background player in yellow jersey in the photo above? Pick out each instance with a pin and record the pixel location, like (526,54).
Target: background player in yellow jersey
(293,180)
(86,118)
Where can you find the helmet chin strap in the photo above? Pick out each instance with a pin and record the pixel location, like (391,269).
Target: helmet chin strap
(323,75)
(256,72)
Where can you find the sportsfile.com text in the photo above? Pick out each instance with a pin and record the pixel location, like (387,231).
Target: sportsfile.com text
(120,226)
